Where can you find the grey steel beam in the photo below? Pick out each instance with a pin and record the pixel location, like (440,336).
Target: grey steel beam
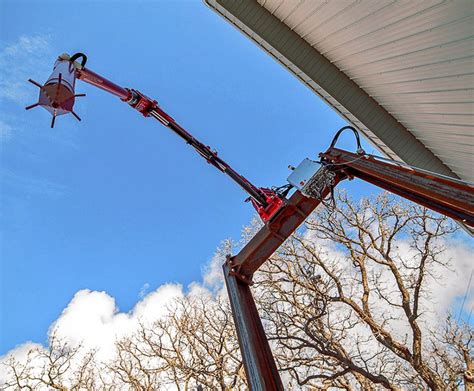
(260,368)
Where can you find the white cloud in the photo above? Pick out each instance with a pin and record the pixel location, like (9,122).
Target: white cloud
(27,45)
(93,319)
(212,272)
(449,279)
(154,305)
(27,57)
(453,283)
(144,290)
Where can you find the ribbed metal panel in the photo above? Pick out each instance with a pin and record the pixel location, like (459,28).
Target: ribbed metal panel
(415,58)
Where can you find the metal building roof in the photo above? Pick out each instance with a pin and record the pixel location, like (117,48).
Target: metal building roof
(401,71)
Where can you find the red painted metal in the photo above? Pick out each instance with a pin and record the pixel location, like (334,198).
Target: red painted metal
(101,82)
(442,194)
(274,202)
(292,213)
(265,201)
(259,364)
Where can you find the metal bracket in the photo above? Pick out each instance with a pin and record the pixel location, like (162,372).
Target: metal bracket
(234,270)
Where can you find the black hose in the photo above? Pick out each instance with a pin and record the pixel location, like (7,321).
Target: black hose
(74,57)
(356,134)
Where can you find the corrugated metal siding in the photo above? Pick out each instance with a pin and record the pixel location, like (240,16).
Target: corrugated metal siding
(415,58)
(229,16)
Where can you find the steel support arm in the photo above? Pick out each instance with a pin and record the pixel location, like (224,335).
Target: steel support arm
(445,195)
(271,236)
(259,364)
(448,196)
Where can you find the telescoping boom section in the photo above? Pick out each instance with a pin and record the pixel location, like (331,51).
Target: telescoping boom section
(57,96)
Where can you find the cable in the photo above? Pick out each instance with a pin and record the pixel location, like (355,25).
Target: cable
(465,295)
(356,134)
(283,190)
(342,164)
(74,57)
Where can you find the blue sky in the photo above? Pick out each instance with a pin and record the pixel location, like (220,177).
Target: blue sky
(118,201)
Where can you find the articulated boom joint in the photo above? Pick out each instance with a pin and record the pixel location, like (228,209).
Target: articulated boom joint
(273,200)
(147,106)
(141,102)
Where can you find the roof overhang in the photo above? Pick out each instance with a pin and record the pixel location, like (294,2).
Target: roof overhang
(401,72)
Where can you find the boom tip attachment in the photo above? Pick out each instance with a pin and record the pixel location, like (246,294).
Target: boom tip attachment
(57,95)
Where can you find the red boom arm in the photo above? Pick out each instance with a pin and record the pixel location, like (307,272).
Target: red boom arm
(265,201)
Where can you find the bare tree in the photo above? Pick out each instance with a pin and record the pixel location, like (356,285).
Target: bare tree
(133,368)
(344,300)
(452,352)
(59,367)
(195,344)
